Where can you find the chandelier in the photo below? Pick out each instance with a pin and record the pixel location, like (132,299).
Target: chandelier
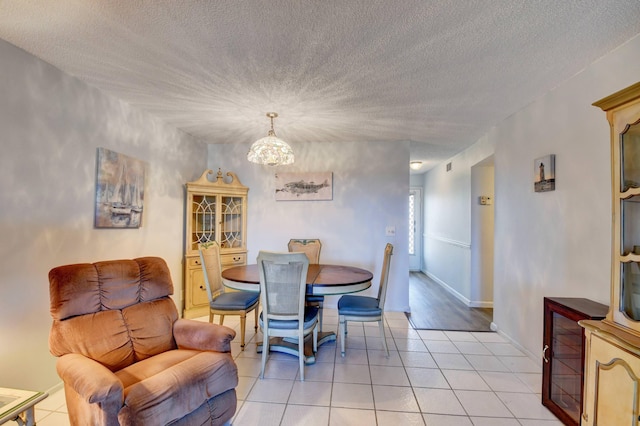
(271,150)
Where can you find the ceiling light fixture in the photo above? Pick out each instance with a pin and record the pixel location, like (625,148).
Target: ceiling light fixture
(271,150)
(415,165)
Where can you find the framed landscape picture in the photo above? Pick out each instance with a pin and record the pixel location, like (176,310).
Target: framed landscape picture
(544,169)
(119,190)
(304,186)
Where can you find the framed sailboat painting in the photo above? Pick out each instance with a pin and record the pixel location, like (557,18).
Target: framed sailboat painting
(119,190)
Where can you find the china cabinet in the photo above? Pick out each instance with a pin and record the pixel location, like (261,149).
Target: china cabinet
(612,366)
(215,211)
(563,354)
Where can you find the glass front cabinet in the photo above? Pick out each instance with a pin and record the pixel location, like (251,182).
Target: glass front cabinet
(563,354)
(215,211)
(612,366)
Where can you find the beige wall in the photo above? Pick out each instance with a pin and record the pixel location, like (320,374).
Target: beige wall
(482,231)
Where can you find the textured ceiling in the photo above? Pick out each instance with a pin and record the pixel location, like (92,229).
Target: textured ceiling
(439,74)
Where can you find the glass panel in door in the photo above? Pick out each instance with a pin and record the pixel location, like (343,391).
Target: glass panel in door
(203,220)
(630,221)
(415,229)
(566,367)
(231,222)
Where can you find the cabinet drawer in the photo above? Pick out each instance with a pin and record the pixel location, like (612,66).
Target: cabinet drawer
(233,259)
(194,262)
(226,260)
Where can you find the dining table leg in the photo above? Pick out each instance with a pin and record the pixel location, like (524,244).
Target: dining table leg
(290,345)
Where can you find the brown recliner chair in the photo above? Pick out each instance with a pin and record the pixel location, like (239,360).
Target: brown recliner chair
(125,357)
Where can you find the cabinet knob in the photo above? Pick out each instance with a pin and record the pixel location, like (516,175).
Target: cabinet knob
(544,354)
(197,262)
(201,288)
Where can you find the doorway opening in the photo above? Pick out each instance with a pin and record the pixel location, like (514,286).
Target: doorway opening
(482,226)
(415,229)
(432,305)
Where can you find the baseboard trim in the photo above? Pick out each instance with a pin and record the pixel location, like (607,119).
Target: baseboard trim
(534,357)
(56,388)
(481,305)
(450,290)
(457,295)
(449,241)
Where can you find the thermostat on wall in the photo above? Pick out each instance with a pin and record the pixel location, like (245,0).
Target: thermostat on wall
(484,200)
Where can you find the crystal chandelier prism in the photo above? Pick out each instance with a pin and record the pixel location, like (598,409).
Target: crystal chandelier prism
(271,150)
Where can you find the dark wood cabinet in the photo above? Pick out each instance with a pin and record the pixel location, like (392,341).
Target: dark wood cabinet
(563,354)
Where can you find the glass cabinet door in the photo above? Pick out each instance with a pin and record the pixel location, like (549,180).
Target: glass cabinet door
(566,368)
(563,354)
(630,153)
(231,222)
(630,222)
(215,211)
(203,220)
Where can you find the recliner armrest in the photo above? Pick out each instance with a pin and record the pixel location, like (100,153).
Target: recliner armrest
(204,336)
(90,379)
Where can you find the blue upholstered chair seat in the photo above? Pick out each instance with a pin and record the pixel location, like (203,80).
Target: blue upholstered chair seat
(310,314)
(314,298)
(365,308)
(283,284)
(235,300)
(222,303)
(359,306)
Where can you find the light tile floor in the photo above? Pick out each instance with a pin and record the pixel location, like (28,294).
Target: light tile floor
(432,378)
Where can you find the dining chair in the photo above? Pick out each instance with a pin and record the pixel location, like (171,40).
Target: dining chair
(225,303)
(283,285)
(366,308)
(310,247)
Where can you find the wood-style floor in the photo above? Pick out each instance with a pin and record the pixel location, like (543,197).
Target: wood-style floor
(433,308)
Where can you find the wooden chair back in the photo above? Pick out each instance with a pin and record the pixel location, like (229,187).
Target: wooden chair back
(310,247)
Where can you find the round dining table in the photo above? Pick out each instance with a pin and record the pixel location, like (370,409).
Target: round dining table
(322,280)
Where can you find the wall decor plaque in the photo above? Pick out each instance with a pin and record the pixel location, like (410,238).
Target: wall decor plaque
(304,186)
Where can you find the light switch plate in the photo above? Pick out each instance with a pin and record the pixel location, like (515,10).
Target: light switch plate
(390,231)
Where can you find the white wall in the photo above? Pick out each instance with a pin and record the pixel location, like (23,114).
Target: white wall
(447,220)
(556,243)
(546,244)
(51,126)
(416,180)
(370,192)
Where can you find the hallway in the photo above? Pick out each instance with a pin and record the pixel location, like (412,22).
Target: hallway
(433,308)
